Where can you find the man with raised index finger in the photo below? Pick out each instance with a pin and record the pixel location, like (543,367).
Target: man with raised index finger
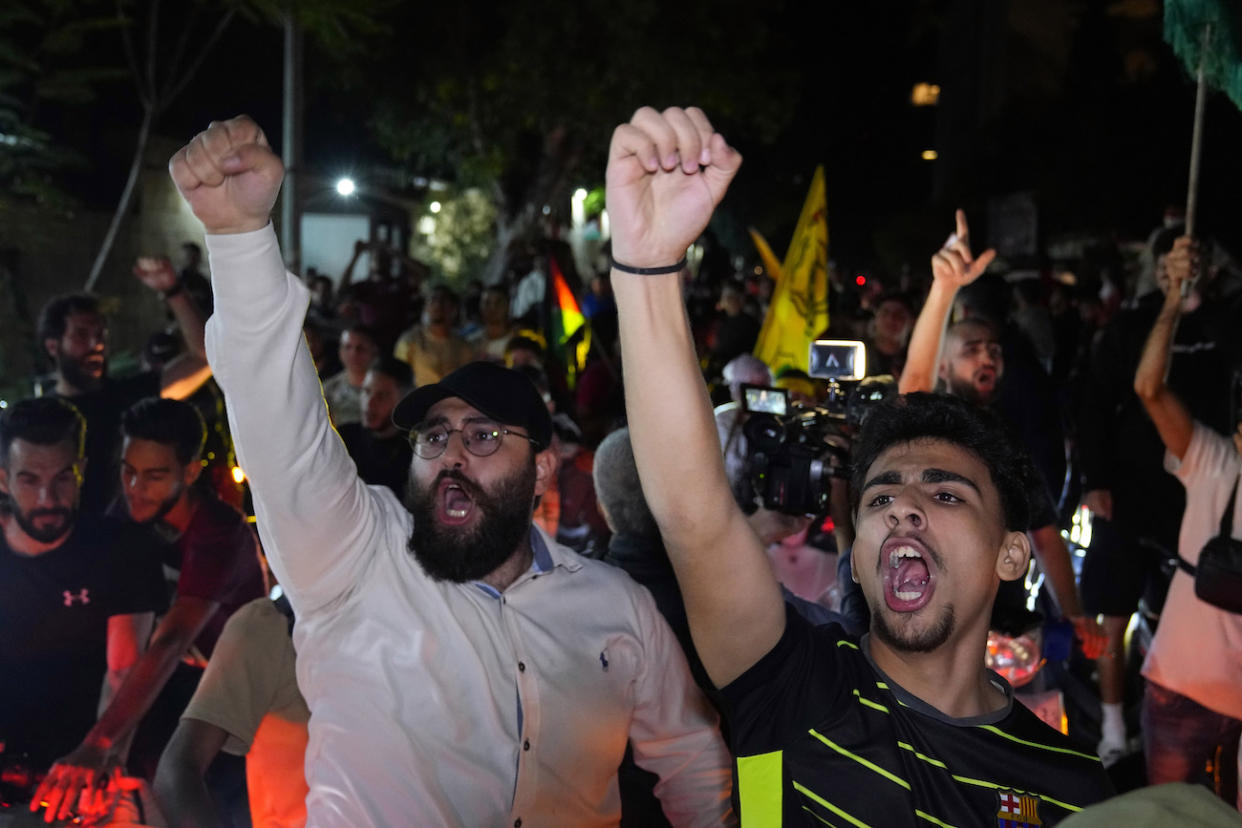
(461,668)
(904,726)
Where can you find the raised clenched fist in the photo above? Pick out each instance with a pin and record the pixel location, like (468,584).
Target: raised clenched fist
(667,171)
(229,176)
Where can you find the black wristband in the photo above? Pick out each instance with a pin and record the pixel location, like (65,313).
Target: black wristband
(174,290)
(650,271)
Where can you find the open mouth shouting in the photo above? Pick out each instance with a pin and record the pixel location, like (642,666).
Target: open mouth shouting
(455,500)
(908,574)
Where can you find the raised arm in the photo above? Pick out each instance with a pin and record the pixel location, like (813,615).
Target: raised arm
(666,174)
(1164,407)
(953,267)
(182,376)
(317,519)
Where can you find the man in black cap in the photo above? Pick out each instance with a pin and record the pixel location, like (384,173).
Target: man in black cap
(461,668)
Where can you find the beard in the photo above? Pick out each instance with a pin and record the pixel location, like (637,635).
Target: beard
(165,507)
(462,554)
(923,641)
(77,376)
(967,390)
(51,532)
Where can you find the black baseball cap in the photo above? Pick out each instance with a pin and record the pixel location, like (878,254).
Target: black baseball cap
(505,395)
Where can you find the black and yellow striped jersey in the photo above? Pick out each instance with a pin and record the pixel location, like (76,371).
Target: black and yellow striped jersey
(823,737)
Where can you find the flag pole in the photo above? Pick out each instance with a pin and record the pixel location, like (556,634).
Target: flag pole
(1196,146)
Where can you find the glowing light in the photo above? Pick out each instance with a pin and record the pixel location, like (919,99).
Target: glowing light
(239,476)
(860,280)
(435,206)
(4,403)
(346,187)
(925,94)
(930,155)
(580,194)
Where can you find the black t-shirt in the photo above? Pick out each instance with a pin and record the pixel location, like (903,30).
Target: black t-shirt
(824,738)
(54,611)
(103,409)
(216,558)
(381,461)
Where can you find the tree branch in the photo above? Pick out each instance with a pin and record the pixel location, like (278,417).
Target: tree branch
(188,75)
(174,63)
(153,37)
(131,56)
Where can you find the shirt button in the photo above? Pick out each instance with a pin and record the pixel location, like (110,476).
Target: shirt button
(517,823)
(521,666)
(526,745)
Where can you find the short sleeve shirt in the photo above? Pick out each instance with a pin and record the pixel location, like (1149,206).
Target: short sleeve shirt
(822,736)
(249,690)
(54,611)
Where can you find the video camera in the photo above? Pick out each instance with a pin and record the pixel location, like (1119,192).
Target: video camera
(793,451)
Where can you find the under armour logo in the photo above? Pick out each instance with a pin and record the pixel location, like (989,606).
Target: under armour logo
(83,597)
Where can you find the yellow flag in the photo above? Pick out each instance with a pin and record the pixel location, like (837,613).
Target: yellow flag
(770,264)
(799,308)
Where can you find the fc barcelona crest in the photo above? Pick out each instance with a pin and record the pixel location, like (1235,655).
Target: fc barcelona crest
(1017,810)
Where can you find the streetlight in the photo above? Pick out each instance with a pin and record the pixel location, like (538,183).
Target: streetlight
(434,206)
(346,187)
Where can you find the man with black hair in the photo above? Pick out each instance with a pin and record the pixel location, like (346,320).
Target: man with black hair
(434,348)
(461,667)
(969,359)
(74,333)
(1192,708)
(213,550)
(380,451)
(77,595)
(357,349)
(493,336)
(905,726)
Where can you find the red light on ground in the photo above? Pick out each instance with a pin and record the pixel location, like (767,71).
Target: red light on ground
(860,280)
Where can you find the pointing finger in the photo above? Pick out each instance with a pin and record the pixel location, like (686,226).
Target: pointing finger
(963,229)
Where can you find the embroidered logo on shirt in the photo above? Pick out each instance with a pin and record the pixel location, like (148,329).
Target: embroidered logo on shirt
(83,597)
(1017,810)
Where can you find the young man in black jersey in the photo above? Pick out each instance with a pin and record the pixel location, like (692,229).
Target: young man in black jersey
(905,726)
(77,594)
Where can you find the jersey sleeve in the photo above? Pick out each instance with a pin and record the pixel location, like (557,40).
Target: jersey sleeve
(789,689)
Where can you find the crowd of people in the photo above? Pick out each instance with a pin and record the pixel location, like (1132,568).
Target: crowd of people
(473,578)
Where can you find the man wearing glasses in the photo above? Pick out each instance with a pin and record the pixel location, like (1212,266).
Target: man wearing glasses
(461,668)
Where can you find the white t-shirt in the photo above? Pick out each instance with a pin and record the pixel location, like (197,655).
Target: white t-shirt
(1197,651)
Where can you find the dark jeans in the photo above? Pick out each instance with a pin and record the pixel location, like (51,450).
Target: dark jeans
(1186,742)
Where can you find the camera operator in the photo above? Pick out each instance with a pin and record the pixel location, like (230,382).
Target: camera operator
(1192,708)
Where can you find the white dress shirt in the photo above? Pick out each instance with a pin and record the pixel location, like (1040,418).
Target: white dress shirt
(437,703)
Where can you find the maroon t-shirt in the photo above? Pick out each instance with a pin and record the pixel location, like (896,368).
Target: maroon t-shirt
(217,559)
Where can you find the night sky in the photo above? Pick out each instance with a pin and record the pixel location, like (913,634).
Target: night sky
(1080,103)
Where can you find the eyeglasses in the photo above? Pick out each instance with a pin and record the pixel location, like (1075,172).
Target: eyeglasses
(481,438)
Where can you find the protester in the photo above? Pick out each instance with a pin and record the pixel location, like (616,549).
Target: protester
(493,336)
(78,592)
(74,334)
(907,721)
(1192,710)
(379,449)
(417,634)
(971,364)
(434,349)
(343,391)
(248,703)
(213,548)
